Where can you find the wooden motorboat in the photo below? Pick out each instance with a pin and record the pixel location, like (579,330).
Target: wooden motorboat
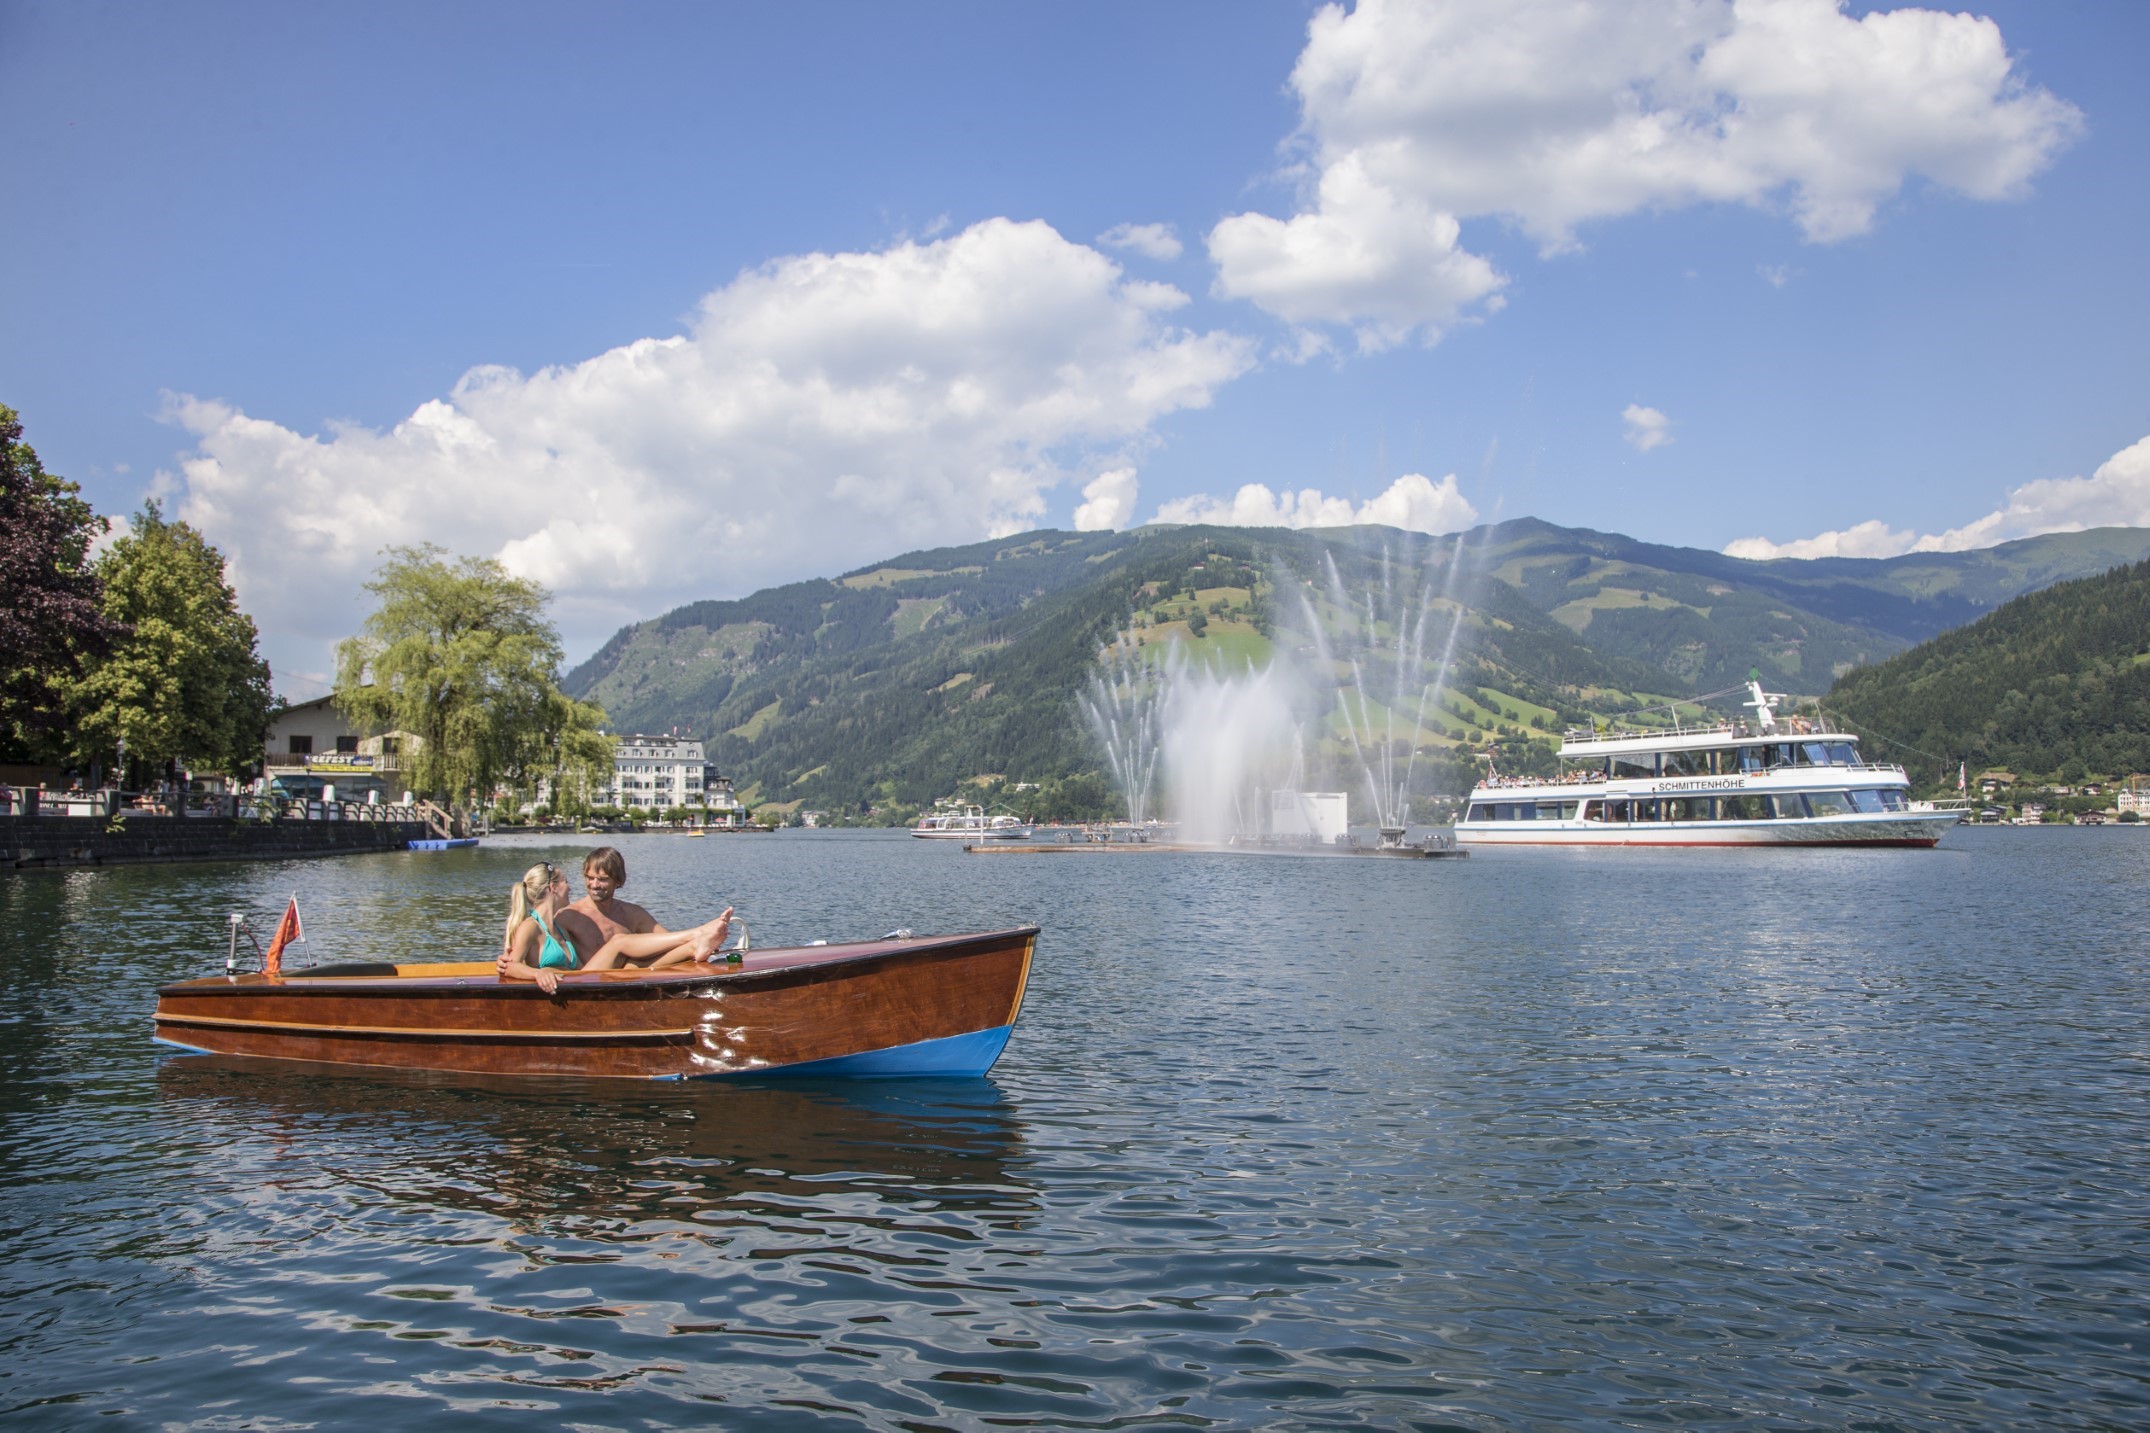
(935,1005)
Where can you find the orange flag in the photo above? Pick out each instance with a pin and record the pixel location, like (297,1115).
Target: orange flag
(287,930)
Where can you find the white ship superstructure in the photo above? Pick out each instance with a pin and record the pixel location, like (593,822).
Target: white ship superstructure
(1770,781)
(949,821)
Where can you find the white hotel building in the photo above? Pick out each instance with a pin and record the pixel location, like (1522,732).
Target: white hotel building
(655,773)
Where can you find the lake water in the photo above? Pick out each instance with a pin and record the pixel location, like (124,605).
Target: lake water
(1618,1139)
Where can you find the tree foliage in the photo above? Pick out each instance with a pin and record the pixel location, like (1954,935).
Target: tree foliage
(53,624)
(2054,684)
(186,684)
(459,654)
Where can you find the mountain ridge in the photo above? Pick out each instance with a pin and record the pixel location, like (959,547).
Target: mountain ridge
(904,678)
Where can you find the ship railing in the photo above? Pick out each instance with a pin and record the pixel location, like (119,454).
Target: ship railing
(1742,730)
(1591,777)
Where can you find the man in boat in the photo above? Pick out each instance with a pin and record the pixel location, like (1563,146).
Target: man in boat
(604,871)
(545,937)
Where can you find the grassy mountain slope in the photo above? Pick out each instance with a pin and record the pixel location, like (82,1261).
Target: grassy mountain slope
(2053,683)
(900,681)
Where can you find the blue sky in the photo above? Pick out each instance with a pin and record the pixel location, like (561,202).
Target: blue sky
(667,302)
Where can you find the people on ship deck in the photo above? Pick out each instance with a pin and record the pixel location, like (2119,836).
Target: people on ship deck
(545,936)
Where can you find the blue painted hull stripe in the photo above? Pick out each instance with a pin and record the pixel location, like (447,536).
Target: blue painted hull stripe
(968,1055)
(175,1045)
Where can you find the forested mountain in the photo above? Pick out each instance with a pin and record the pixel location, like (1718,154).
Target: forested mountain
(2055,683)
(896,684)
(1705,619)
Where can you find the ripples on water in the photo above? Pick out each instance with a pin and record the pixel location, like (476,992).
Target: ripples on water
(1622,1139)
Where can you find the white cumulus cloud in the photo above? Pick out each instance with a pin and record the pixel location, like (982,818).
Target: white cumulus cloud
(1382,261)
(2116,495)
(1873,538)
(1554,113)
(822,411)
(1108,503)
(1413,501)
(1152,241)
(1646,427)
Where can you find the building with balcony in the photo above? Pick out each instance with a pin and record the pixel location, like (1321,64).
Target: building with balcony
(655,773)
(314,736)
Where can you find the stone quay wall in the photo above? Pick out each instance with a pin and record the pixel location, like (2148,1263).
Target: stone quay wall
(53,841)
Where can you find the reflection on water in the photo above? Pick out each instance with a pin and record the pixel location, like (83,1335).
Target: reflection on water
(574,1149)
(1600,1138)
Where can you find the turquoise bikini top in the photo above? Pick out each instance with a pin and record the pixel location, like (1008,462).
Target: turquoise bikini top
(552,954)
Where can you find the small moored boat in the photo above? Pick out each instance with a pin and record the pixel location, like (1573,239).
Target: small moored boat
(937,1005)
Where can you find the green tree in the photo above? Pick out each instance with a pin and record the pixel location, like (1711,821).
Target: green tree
(186,685)
(53,623)
(459,655)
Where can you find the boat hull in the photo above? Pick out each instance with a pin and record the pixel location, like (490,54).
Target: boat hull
(934,1006)
(1912,831)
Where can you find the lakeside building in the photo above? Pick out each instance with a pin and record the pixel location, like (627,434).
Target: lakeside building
(656,773)
(313,738)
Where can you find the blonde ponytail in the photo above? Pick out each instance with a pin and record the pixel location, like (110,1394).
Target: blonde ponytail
(526,893)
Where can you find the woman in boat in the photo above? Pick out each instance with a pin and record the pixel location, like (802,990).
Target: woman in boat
(544,937)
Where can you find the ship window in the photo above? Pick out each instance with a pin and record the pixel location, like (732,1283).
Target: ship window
(1687,808)
(1518,810)
(1892,798)
(1789,808)
(1778,755)
(1687,763)
(1867,801)
(1829,803)
(1556,811)
(1842,753)
(1638,764)
(1745,758)
(1477,812)
(1616,811)
(1646,810)
(1737,808)
(1593,810)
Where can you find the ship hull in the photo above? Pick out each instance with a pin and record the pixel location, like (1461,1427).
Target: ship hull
(1909,831)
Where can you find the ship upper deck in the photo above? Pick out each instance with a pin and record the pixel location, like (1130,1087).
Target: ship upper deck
(1580,743)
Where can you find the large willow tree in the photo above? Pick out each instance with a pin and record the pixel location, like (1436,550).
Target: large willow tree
(459,655)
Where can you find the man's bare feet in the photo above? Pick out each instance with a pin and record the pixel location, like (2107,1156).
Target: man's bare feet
(708,937)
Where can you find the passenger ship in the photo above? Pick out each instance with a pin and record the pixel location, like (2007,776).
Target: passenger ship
(1768,782)
(949,822)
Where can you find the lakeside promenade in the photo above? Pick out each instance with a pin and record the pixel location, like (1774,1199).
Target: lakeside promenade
(42,841)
